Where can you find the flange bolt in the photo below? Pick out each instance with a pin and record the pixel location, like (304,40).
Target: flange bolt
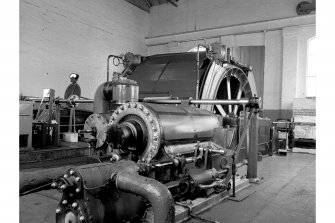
(64,202)
(57,210)
(74,205)
(81,218)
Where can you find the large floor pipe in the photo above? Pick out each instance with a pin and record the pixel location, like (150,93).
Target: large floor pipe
(32,180)
(155,192)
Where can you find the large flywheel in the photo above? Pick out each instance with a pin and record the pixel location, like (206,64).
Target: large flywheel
(227,81)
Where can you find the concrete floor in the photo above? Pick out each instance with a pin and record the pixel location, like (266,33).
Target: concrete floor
(286,195)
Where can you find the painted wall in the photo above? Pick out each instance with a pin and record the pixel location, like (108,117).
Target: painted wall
(58,37)
(192,15)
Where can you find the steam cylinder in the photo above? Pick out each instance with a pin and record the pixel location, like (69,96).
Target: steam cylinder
(148,127)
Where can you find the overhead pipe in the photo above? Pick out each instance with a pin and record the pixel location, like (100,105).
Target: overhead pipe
(155,192)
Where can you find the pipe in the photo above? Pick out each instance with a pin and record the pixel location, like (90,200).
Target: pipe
(109,56)
(33,180)
(201,101)
(61,100)
(155,192)
(101,104)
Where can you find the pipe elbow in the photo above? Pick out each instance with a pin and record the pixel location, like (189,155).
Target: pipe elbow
(101,102)
(155,192)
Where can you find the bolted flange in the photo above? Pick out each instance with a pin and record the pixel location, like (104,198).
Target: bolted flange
(74,205)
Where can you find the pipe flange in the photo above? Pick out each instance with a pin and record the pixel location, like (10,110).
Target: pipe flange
(71,211)
(150,120)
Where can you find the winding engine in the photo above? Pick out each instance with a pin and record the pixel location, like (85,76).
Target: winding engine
(156,151)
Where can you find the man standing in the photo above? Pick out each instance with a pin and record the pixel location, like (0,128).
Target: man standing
(73,88)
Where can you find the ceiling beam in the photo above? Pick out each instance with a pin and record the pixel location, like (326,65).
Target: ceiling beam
(173,2)
(140,4)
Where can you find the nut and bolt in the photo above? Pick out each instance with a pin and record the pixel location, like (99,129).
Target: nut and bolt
(65,176)
(54,184)
(57,210)
(81,218)
(77,190)
(64,202)
(63,187)
(74,205)
(77,179)
(71,172)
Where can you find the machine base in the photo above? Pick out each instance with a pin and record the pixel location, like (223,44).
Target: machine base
(200,204)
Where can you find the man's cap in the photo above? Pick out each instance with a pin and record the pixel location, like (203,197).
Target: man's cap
(74,75)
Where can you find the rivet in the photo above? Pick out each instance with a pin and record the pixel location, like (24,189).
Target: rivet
(81,218)
(77,190)
(64,202)
(57,210)
(74,205)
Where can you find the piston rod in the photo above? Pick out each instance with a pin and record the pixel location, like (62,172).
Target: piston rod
(61,100)
(199,101)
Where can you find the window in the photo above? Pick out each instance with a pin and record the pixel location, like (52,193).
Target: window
(311,68)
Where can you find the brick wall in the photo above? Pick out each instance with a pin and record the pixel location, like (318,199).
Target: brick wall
(58,37)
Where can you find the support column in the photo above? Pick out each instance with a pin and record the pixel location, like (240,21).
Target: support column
(290,69)
(253,148)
